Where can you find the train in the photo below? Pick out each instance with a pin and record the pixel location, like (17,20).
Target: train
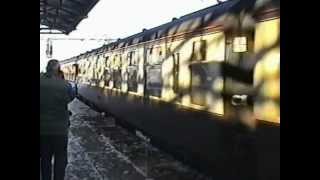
(182,84)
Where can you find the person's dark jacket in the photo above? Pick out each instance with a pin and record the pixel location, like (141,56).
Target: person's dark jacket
(55,95)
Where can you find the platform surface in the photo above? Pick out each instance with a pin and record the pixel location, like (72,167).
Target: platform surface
(98,149)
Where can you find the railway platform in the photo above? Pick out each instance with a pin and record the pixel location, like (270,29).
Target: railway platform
(99,149)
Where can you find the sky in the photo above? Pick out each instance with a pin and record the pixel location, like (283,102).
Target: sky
(115,19)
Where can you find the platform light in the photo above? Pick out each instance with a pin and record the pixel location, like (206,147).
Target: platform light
(240,44)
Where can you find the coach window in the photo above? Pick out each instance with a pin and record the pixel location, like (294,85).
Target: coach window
(107,72)
(134,58)
(149,55)
(131,58)
(117,71)
(240,44)
(176,64)
(117,61)
(199,50)
(96,67)
(155,56)
(113,61)
(107,62)
(160,58)
(159,55)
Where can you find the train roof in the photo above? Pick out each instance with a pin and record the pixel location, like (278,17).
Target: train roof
(178,25)
(200,19)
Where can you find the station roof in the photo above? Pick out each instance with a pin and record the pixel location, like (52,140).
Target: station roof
(63,15)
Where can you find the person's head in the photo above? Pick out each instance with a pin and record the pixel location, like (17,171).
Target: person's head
(53,67)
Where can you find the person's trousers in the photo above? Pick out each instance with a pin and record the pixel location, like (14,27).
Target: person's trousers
(53,146)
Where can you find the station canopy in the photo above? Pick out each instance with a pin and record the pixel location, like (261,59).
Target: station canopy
(63,16)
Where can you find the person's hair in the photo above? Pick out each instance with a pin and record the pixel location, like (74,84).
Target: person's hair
(53,66)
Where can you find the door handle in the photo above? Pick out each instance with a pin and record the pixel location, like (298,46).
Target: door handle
(239,100)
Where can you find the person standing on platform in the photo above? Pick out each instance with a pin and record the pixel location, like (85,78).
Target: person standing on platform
(55,95)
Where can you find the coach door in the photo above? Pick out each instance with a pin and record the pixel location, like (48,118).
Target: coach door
(238,81)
